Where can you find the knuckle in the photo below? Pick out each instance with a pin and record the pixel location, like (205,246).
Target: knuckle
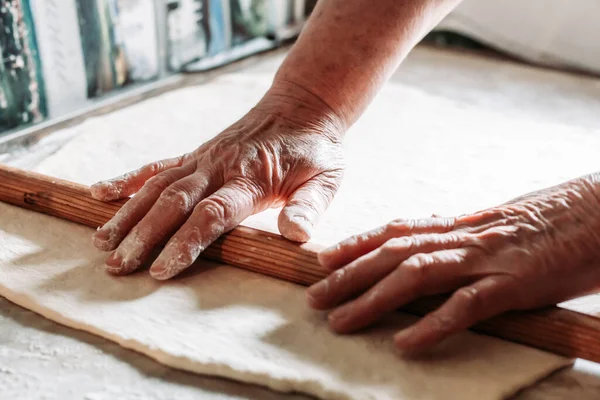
(400,226)
(469,298)
(441,323)
(187,157)
(452,239)
(176,197)
(477,242)
(364,238)
(418,266)
(155,167)
(449,223)
(158,182)
(397,246)
(214,209)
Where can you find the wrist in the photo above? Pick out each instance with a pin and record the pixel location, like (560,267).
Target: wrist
(582,196)
(303,108)
(588,186)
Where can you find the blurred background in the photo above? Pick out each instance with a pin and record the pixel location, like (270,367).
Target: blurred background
(61,56)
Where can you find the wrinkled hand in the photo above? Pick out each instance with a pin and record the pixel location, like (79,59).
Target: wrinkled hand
(534,251)
(285,152)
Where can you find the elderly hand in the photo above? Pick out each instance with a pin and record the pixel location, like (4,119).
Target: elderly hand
(534,251)
(285,152)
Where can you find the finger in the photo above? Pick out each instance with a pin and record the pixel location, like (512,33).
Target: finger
(359,245)
(213,216)
(420,275)
(108,237)
(482,300)
(304,207)
(170,211)
(366,271)
(129,183)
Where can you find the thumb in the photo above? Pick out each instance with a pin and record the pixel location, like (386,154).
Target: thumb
(304,207)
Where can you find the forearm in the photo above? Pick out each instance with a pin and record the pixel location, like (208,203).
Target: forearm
(349,48)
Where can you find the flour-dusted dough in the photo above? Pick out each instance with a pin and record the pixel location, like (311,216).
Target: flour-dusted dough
(227,322)
(422,155)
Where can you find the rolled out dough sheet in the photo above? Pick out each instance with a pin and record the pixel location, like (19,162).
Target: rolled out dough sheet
(421,154)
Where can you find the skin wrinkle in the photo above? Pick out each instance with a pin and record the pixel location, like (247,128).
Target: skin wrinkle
(293,110)
(236,159)
(328,109)
(176,198)
(295,134)
(528,253)
(589,212)
(268,168)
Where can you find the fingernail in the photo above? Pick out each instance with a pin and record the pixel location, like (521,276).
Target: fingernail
(157,269)
(406,342)
(164,263)
(100,236)
(166,270)
(172,261)
(100,240)
(101,233)
(128,256)
(338,315)
(404,339)
(318,290)
(107,237)
(113,263)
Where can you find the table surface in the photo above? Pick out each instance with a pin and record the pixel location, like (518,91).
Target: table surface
(42,359)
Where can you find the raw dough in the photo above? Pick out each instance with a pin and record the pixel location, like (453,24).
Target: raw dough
(222,321)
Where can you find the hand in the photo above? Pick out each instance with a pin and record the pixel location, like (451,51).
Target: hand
(538,250)
(287,152)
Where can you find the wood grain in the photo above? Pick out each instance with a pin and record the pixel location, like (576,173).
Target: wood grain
(557,330)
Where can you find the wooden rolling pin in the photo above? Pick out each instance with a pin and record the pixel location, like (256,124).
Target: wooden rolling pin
(553,329)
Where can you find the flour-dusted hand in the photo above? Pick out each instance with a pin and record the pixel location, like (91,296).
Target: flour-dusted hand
(537,250)
(286,152)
